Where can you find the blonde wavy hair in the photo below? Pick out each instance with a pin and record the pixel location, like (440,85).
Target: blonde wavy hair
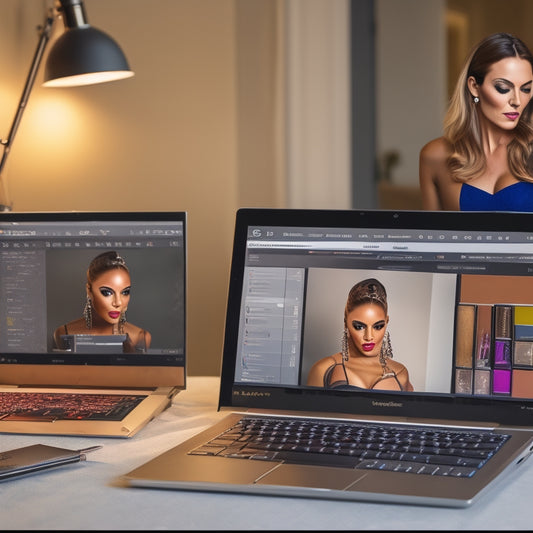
(461,122)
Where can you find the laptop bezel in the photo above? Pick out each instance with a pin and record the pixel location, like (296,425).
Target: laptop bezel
(141,376)
(490,410)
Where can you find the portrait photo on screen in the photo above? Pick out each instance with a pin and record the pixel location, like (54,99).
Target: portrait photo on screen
(421,334)
(153,300)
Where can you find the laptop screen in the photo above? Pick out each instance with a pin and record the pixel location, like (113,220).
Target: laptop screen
(458,297)
(62,305)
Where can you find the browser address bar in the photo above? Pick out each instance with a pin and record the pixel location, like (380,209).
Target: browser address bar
(460,247)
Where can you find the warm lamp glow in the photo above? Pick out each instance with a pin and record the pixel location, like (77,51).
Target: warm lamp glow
(89,79)
(82,55)
(63,116)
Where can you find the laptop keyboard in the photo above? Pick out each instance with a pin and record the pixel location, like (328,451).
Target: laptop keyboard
(417,450)
(50,406)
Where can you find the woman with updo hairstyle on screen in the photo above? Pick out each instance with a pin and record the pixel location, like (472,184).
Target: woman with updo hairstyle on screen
(108,291)
(365,360)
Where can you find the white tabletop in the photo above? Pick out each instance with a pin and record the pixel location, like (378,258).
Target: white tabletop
(83,495)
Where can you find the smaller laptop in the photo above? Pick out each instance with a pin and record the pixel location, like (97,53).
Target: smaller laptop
(92,384)
(460,306)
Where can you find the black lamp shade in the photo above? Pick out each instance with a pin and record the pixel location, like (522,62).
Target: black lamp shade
(83,56)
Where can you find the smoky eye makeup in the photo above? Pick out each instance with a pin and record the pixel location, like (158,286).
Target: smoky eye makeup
(361,325)
(502,88)
(105,291)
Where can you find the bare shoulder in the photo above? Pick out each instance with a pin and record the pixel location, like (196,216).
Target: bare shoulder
(401,373)
(135,331)
(439,189)
(396,366)
(316,373)
(435,151)
(74,326)
(325,362)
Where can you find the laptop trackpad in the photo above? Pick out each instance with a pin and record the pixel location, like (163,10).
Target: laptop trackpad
(324,477)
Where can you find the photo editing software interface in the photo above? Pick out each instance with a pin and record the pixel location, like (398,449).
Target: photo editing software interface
(460,305)
(43,287)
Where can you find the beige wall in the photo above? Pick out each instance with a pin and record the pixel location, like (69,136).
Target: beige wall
(410,83)
(202,127)
(166,139)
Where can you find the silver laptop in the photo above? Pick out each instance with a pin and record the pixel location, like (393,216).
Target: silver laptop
(65,371)
(450,412)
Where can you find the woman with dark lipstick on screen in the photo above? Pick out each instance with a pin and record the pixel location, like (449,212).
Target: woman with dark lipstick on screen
(365,360)
(484,160)
(108,290)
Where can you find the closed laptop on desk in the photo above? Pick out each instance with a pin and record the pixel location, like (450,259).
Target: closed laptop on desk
(92,320)
(449,411)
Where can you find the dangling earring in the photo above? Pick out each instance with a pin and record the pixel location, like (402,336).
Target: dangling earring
(476,99)
(386,350)
(88,313)
(344,345)
(121,322)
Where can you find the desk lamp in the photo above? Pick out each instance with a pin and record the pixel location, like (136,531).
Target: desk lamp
(83,55)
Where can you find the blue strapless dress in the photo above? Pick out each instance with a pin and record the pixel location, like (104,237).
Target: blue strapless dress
(516,197)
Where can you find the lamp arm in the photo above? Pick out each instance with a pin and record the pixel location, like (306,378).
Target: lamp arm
(46,30)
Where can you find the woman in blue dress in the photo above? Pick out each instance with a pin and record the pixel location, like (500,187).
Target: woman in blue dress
(484,160)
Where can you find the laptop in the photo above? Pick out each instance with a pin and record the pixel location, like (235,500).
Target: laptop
(88,381)
(460,306)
